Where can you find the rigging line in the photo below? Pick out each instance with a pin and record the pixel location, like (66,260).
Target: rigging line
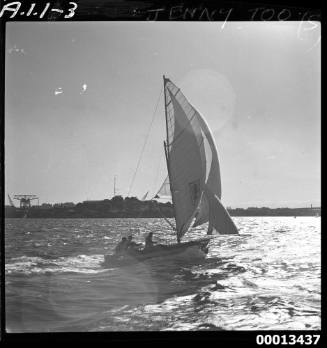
(165,218)
(145,142)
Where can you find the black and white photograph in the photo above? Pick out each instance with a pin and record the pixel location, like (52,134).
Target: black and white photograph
(162,176)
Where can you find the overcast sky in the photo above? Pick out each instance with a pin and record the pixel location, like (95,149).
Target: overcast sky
(80,97)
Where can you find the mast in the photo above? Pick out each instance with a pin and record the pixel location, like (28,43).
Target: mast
(167,141)
(166,144)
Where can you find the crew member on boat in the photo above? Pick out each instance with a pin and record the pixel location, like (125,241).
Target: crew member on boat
(121,246)
(130,243)
(148,241)
(210,228)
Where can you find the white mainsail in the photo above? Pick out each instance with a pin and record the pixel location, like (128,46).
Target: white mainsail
(193,167)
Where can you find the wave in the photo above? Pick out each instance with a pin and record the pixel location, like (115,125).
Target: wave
(39,265)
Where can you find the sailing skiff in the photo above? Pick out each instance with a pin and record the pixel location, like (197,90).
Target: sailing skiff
(193,182)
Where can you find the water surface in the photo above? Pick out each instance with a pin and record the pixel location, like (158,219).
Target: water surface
(266,278)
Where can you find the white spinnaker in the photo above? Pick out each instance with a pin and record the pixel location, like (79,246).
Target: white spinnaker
(186,158)
(213,182)
(210,208)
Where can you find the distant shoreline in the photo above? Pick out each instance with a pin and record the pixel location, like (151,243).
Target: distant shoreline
(131,207)
(150,217)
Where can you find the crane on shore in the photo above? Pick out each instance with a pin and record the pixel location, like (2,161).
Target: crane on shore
(25,200)
(11,202)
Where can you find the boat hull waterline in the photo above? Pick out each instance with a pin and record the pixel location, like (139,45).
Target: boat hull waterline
(188,251)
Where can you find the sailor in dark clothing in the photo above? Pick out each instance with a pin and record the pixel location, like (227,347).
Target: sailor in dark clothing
(130,243)
(210,228)
(121,246)
(149,241)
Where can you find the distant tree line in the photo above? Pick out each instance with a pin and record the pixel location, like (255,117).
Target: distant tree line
(117,207)
(264,211)
(131,207)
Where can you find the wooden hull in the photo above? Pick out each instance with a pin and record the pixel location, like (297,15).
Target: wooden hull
(188,251)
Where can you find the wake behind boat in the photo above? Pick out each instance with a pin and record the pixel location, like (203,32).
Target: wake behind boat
(193,183)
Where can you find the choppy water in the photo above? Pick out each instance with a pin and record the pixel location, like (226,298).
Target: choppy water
(266,278)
